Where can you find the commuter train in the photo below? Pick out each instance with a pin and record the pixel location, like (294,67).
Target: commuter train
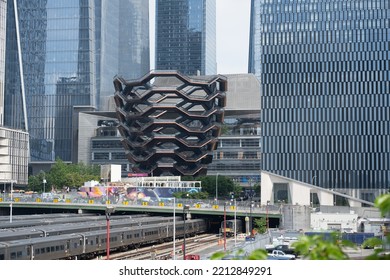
(230,225)
(56,220)
(86,245)
(57,229)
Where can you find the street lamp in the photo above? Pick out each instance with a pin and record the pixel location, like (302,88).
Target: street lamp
(10,205)
(250,217)
(224,226)
(185,210)
(174,229)
(235,222)
(216,188)
(109,211)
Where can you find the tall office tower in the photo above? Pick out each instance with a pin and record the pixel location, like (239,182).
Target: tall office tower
(13,142)
(3,17)
(254,62)
(325,78)
(186,36)
(71,50)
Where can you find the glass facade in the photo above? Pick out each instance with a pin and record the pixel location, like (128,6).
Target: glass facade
(3,16)
(186,36)
(325,78)
(71,50)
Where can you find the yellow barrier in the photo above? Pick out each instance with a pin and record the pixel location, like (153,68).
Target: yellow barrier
(68,200)
(55,200)
(16,199)
(144,203)
(161,204)
(197,205)
(215,206)
(90,201)
(1,199)
(38,200)
(232,207)
(125,202)
(180,205)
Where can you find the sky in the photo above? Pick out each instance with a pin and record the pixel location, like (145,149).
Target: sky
(233,17)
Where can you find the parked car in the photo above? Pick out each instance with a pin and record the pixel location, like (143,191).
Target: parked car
(280,255)
(282,247)
(201,204)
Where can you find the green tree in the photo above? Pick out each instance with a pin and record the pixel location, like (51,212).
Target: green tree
(316,247)
(261,225)
(62,175)
(211,184)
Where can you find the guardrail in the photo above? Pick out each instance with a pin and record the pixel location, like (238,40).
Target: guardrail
(212,205)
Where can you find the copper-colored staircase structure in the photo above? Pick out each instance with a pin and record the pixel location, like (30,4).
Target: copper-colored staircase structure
(170,122)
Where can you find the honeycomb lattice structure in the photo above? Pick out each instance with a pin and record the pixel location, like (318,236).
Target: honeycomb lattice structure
(170,122)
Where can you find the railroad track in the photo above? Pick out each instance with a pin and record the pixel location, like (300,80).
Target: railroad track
(164,251)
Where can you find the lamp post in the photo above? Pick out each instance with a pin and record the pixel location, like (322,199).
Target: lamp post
(44,182)
(250,218)
(109,211)
(174,229)
(224,226)
(216,188)
(235,222)
(10,205)
(185,209)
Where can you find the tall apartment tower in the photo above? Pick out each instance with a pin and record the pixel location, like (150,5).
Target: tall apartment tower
(186,36)
(71,50)
(325,77)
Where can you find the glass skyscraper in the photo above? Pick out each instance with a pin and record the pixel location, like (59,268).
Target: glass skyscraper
(186,36)
(325,78)
(71,50)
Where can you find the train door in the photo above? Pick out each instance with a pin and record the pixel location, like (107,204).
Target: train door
(67,246)
(30,252)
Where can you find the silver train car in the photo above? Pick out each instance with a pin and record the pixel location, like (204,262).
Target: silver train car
(57,229)
(87,245)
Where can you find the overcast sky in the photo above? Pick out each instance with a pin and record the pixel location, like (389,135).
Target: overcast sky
(233,18)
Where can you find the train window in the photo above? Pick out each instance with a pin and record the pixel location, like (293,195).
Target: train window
(2,257)
(52,248)
(97,240)
(62,247)
(42,250)
(19,255)
(75,245)
(47,249)
(13,256)
(36,251)
(57,248)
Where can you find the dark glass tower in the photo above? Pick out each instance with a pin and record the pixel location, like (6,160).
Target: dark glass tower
(325,78)
(186,36)
(70,53)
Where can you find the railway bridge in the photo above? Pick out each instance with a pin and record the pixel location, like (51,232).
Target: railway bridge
(216,211)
